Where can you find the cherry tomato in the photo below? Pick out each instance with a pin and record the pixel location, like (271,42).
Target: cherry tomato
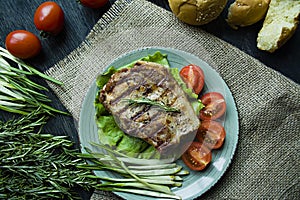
(211,134)
(93,3)
(23,44)
(49,18)
(215,106)
(197,156)
(193,76)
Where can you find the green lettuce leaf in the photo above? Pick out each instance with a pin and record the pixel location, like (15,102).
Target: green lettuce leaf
(132,146)
(108,131)
(157,57)
(102,79)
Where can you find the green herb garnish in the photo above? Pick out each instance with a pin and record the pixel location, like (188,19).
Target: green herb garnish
(148,101)
(36,165)
(148,177)
(19,94)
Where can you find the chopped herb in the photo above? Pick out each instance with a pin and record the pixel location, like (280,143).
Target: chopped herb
(148,101)
(35,165)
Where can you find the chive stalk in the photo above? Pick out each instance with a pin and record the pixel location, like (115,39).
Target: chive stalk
(149,180)
(19,94)
(136,176)
(23,67)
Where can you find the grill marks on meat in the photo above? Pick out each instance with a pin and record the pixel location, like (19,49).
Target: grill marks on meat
(164,130)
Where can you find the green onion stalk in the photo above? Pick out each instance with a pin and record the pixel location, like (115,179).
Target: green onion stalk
(136,175)
(19,94)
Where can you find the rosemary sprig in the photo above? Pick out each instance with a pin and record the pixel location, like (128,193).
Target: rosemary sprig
(36,165)
(148,101)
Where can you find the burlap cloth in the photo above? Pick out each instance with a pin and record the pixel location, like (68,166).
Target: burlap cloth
(266,162)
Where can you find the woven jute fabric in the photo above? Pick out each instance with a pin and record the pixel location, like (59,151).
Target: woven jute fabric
(266,161)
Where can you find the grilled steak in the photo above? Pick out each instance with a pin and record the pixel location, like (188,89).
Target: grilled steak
(163,128)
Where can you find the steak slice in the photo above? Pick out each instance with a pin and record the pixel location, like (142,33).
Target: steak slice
(163,129)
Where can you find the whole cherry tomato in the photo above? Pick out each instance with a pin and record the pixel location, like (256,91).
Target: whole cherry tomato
(197,156)
(211,134)
(93,3)
(193,76)
(215,106)
(49,18)
(23,44)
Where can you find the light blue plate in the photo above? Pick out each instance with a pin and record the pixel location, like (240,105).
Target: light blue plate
(196,183)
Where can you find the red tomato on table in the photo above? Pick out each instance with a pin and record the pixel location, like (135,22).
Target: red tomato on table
(211,134)
(215,106)
(49,18)
(23,44)
(197,156)
(193,76)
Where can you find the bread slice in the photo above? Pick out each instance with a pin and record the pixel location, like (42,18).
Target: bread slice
(246,12)
(279,25)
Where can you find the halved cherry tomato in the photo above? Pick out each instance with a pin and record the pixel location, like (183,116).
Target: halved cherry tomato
(49,18)
(93,3)
(215,106)
(193,76)
(197,156)
(23,44)
(211,134)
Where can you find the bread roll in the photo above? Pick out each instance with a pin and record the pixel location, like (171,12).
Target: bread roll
(279,25)
(246,12)
(197,12)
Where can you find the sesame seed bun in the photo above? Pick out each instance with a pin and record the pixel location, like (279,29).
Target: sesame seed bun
(197,12)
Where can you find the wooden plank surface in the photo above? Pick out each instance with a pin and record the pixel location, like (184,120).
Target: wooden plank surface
(18,14)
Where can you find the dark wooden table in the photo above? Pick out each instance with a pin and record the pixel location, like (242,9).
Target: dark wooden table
(18,14)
